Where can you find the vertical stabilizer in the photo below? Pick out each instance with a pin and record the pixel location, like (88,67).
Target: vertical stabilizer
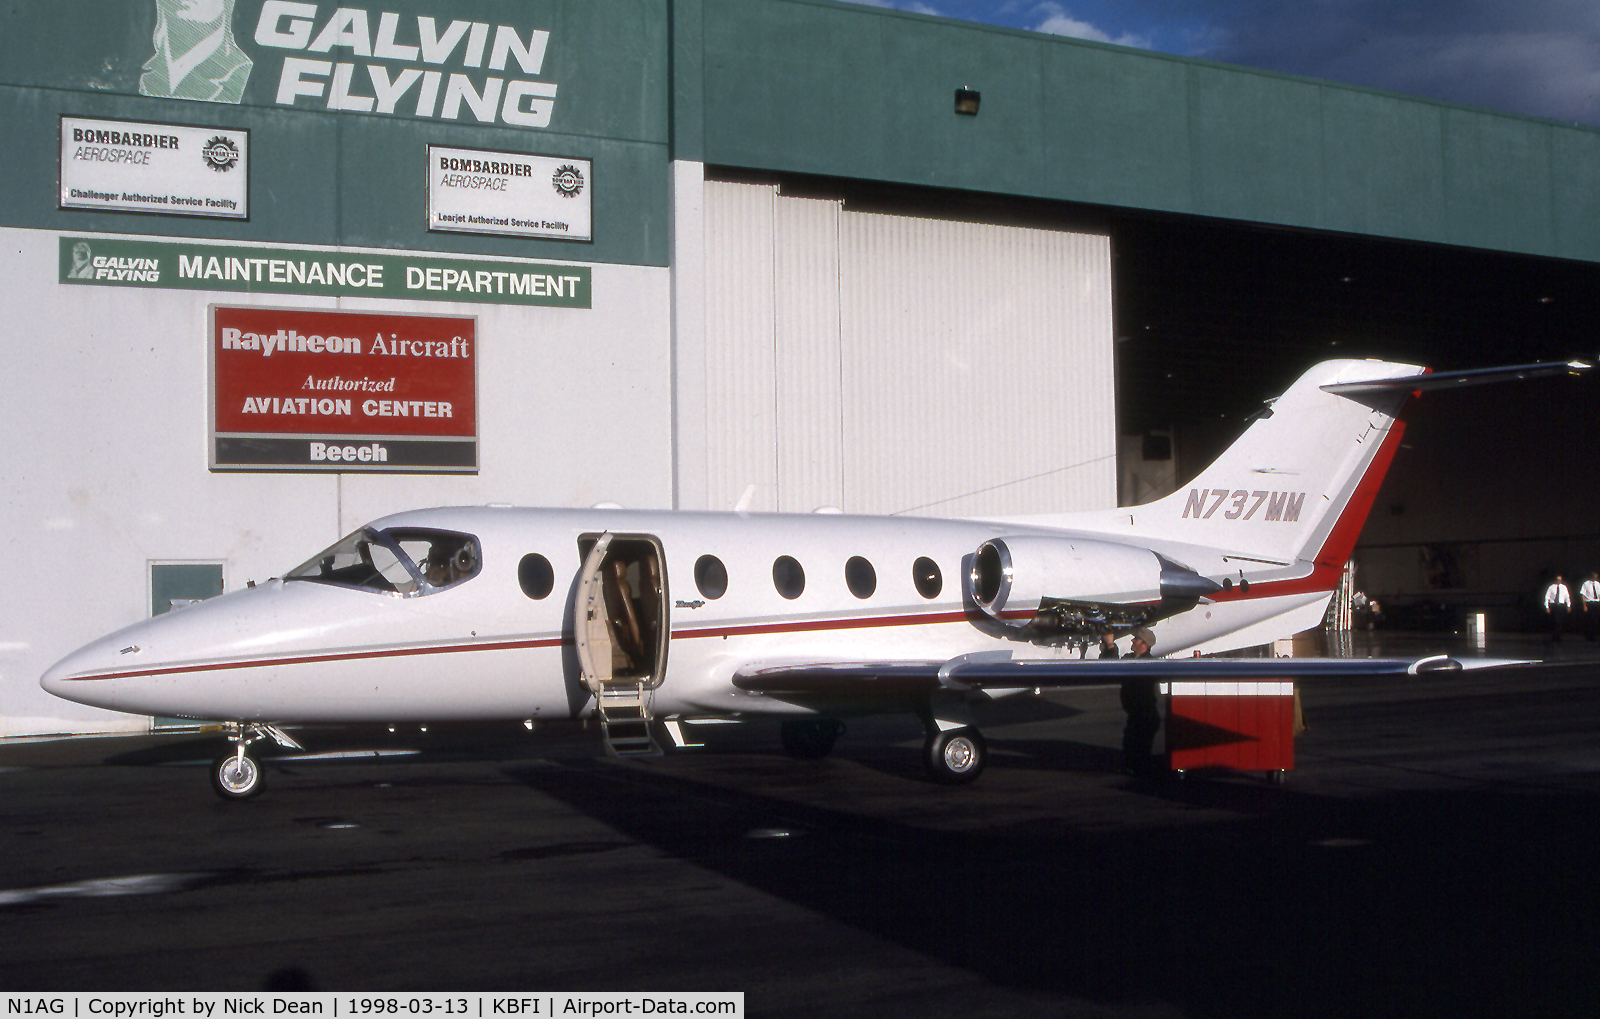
(1298,483)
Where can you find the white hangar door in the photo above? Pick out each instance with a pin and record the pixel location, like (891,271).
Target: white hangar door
(884,364)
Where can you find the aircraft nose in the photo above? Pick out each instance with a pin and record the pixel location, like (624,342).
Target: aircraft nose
(72,678)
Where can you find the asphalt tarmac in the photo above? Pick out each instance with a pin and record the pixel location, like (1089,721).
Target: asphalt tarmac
(1432,854)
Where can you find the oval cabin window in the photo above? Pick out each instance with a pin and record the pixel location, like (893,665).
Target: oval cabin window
(536,576)
(788,577)
(711,577)
(860,577)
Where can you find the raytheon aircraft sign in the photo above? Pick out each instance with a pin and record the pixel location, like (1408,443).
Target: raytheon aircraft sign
(353,59)
(297,389)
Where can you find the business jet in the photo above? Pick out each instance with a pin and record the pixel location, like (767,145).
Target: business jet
(647,621)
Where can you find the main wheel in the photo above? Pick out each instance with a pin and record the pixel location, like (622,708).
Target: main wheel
(956,756)
(810,738)
(235,777)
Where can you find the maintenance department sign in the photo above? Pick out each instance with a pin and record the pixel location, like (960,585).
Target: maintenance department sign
(128,166)
(304,390)
(510,193)
(417,276)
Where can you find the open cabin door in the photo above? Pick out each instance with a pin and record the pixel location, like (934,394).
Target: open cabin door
(621,625)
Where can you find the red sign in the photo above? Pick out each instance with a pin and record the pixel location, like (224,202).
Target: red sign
(298,389)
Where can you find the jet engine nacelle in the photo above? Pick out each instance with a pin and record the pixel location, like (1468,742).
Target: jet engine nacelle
(1075,589)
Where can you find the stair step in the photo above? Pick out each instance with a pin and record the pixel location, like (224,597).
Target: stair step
(625,720)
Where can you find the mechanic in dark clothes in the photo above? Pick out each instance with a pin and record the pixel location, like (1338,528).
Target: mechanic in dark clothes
(1139,700)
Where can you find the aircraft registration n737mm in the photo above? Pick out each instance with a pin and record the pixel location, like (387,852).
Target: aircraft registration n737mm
(647,620)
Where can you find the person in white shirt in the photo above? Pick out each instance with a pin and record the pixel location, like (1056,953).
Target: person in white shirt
(1557,603)
(1589,604)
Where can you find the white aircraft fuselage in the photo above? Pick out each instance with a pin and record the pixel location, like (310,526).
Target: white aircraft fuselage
(300,650)
(500,613)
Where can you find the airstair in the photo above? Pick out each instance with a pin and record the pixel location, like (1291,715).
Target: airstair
(624,709)
(620,634)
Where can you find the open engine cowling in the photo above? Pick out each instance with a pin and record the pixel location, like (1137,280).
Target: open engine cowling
(1077,588)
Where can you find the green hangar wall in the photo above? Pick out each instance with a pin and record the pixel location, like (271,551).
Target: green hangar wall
(333,164)
(842,90)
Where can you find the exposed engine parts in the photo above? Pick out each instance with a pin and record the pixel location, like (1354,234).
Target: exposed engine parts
(1079,624)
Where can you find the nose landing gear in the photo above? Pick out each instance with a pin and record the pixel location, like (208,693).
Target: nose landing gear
(237,776)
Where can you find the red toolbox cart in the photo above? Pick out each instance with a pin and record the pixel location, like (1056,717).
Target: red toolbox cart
(1245,726)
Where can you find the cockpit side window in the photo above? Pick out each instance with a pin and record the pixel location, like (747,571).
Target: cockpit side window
(361,560)
(445,558)
(406,561)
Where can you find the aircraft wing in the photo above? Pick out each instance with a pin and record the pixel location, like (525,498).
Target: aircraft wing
(1000,671)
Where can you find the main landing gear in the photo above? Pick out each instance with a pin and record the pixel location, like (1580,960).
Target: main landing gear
(955,752)
(810,739)
(955,756)
(237,776)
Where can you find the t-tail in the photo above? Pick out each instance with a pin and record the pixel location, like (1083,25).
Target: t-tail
(1291,494)
(1288,499)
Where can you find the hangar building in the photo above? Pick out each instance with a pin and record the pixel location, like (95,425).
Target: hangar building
(273,268)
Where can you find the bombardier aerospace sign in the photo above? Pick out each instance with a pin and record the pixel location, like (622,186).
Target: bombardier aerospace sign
(302,390)
(135,167)
(510,193)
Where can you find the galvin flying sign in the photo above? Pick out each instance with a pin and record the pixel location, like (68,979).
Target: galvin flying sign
(351,59)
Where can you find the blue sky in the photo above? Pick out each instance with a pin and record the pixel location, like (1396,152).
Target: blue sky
(1537,57)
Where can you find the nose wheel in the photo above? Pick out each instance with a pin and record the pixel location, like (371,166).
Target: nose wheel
(236,776)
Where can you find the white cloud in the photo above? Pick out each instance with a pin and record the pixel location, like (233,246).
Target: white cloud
(903,5)
(1057,20)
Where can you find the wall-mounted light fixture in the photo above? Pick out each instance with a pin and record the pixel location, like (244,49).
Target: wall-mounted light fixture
(967,101)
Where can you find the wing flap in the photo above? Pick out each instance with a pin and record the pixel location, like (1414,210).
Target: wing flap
(878,679)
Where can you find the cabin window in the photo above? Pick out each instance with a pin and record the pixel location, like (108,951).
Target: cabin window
(711,577)
(788,577)
(925,574)
(536,576)
(860,577)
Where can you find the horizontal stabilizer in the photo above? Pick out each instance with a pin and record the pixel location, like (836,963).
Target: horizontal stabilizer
(1434,381)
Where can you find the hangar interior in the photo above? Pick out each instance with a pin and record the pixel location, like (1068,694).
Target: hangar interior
(810,281)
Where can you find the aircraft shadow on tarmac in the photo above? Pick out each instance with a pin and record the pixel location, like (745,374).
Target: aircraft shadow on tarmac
(1265,901)
(1413,904)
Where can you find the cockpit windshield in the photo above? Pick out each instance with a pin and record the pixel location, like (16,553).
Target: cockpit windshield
(405,561)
